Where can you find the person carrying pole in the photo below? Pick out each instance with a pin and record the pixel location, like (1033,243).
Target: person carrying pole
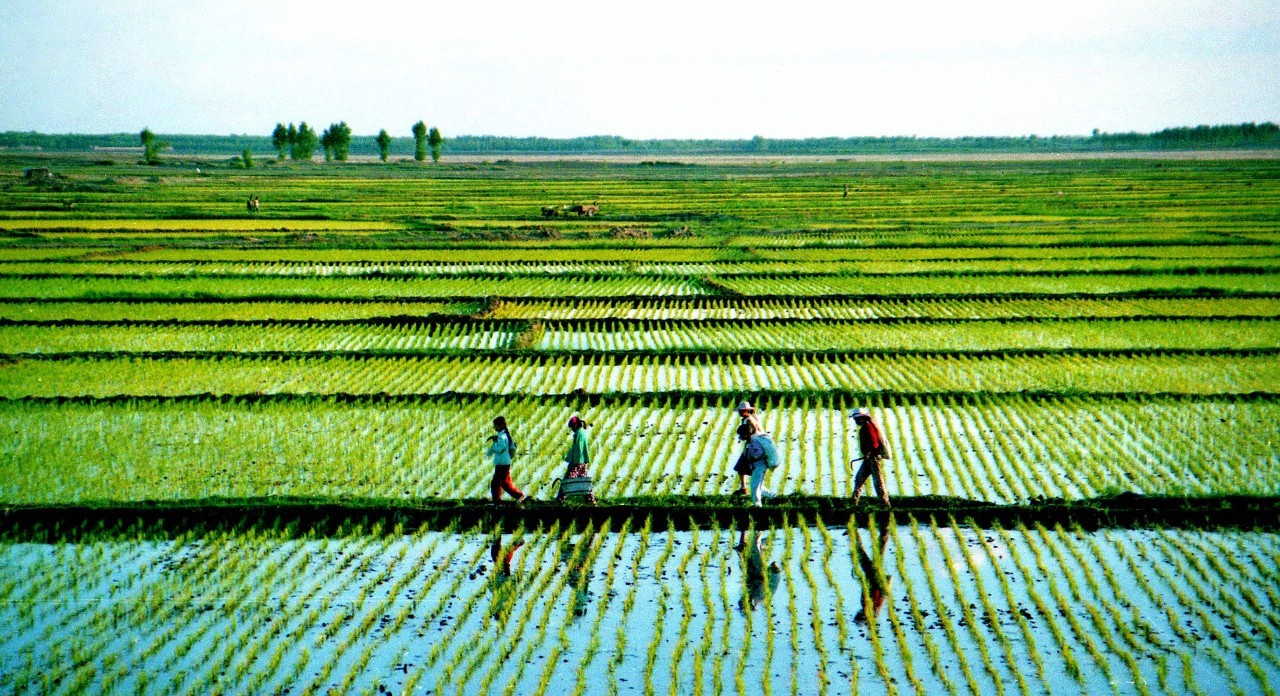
(750,417)
(501,449)
(874,451)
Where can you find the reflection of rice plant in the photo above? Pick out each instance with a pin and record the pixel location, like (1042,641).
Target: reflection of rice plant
(816,621)
(660,614)
(1083,636)
(917,617)
(969,620)
(1064,649)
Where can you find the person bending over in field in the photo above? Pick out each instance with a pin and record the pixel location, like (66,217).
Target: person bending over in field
(578,457)
(874,451)
(748,414)
(502,448)
(758,453)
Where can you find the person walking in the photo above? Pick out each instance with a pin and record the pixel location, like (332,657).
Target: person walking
(749,416)
(501,449)
(874,451)
(578,457)
(757,453)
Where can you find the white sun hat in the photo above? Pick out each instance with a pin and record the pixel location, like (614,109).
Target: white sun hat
(746,406)
(861,413)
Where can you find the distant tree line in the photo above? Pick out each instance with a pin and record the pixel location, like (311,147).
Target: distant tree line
(428,142)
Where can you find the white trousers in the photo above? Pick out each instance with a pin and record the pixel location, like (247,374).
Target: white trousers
(758,491)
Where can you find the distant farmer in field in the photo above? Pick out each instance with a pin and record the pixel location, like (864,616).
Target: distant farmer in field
(502,448)
(846,190)
(759,455)
(874,451)
(577,458)
(253,204)
(877,585)
(748,414)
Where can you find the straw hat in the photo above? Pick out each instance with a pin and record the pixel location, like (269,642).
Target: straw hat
(746,406)
(861,413)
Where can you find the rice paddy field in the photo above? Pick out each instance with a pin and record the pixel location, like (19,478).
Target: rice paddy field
(245,454)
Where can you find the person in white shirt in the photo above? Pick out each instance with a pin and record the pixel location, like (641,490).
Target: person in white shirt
(501,450)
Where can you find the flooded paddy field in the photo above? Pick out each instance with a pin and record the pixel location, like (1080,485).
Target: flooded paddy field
(913,606)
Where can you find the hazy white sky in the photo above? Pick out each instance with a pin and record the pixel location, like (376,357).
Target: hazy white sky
(662,68)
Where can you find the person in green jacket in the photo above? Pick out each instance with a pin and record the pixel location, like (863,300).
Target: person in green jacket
(578,456)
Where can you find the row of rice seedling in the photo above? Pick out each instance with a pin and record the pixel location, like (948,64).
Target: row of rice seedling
(267,269)
(1085,284)
(507,252)
(1198,252)
(342,288)
(23,253)
(952,235)
(1067,373)
(746,309)
(85,287)
(837,336)
(647,337)
(1006,449)
(248,338)
(749,309)
(631,252)
(203,310)
(794,609)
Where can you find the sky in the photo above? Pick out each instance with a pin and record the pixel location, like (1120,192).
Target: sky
(658,69)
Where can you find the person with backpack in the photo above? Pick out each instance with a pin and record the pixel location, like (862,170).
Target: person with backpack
(749,416)
(502,449)
(874,451)
(577,458)
(759,456)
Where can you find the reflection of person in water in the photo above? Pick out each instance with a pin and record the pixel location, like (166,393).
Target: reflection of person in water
(576,576)
(877,585)
(504,590)
(754,562)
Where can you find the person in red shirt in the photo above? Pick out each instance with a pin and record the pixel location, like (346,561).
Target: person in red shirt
(874,451)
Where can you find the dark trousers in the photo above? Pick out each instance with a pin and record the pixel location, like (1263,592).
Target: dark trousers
(502,482)
(870,469)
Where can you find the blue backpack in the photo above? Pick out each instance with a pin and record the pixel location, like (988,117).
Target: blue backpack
(771,457)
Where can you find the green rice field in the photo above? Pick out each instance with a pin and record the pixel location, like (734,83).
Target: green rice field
(245,453)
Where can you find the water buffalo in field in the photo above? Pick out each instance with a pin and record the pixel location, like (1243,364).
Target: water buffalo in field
(587,210)
(550,211)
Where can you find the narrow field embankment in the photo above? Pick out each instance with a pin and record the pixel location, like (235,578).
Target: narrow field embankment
(327,516)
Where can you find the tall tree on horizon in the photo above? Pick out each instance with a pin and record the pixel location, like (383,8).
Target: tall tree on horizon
(151,146)
(304,143)
(384,144)
(420,141)
(336,141)
(436,141)
(280,139)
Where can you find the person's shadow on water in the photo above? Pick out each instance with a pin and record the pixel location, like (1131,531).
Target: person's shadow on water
(503,581)
(876,584)
(761,581)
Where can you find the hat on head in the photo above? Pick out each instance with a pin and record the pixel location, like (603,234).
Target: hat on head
(746,406)
(861,413)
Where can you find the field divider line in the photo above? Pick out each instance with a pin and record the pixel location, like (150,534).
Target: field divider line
(664,299)
(584,356)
